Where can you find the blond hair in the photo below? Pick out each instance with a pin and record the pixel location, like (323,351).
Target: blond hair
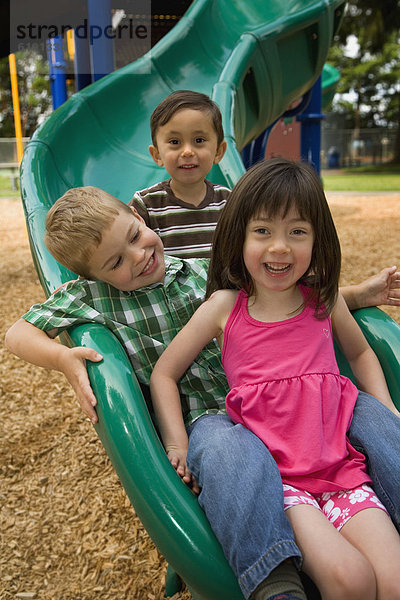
(75,225)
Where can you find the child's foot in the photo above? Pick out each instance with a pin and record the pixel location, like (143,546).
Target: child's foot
(283,583)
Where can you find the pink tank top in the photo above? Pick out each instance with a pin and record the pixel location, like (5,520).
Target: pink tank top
(285,386)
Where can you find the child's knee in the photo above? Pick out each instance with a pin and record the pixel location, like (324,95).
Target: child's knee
(353,579)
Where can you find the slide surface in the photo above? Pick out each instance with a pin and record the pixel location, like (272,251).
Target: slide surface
(254,59)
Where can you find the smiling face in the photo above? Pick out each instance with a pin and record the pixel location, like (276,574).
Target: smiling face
(277,251)
(130,255)
(187,146)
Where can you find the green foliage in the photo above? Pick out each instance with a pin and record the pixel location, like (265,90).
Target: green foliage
(371,21)
(33,90)
(372,76)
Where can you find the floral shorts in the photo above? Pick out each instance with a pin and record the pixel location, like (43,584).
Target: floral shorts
(338,507)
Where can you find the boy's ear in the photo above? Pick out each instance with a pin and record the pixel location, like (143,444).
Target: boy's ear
(220,152)
(156,155)
(135,212)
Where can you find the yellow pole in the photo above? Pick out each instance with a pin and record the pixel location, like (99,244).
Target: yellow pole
(71,44)
(17,114)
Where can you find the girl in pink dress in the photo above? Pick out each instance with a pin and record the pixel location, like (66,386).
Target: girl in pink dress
(274,306)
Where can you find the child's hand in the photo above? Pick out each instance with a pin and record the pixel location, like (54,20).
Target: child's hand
(177,458)
(72,363)
(383,288)
(39,348)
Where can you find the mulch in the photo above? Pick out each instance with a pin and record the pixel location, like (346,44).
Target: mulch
(68,529)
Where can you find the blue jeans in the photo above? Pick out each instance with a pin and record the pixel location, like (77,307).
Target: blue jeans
(375,431)
(242,496)
(241,488)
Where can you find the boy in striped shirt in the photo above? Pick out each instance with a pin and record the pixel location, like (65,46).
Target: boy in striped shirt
(188,139)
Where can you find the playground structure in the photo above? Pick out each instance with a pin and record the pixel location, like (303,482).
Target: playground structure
(267,58)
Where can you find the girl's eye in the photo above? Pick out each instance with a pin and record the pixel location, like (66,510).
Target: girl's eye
(262,230)
(299,232)
(174,142)
(200,140)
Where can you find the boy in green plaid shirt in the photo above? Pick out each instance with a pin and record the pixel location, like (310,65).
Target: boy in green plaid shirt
(131,287)
(145,298)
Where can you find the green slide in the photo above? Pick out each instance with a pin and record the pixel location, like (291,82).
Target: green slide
(254,59)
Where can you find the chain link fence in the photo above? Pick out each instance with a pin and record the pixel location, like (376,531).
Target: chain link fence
(340,148)
(9,160)
(8,152)
(348,148)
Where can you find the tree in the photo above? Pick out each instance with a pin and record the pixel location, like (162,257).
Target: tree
(372,75)
(33,89)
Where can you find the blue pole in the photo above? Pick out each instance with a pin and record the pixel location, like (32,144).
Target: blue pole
(255,151)
(310,138)
(101,38)
(57,68)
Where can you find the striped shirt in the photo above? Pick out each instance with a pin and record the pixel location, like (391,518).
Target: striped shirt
(145,321)
(186,230)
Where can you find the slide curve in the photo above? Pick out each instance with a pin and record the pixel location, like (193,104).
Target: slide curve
(254,59)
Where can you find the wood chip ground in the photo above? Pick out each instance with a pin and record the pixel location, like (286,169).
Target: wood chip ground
(68,531)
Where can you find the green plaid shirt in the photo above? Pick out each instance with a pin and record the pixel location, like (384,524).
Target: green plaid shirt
(145,321)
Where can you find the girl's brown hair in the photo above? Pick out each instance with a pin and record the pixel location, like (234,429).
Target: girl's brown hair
(271,188)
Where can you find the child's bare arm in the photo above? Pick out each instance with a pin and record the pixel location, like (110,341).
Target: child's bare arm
(167,405)
(382,288)
(362,359)
(34,345)
(175,360)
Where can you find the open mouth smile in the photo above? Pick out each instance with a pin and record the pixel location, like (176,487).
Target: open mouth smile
(150,266)
(276,269)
